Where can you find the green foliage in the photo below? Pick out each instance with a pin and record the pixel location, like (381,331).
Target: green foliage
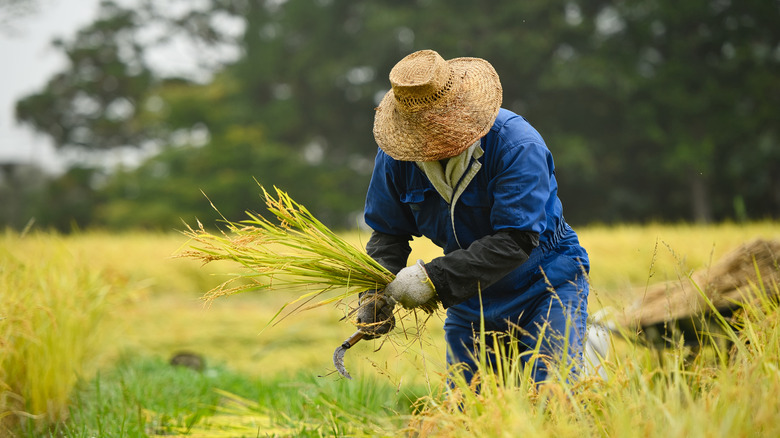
(143,396)
(21,189)
(169,189)
(93,103)
(653,111)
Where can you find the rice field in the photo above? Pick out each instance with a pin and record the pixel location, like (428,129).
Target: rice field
(88,323)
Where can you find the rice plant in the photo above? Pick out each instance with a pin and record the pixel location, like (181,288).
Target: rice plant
(51,313)
(299,253)
(644,394)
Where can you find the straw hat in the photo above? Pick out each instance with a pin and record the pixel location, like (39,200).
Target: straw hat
(436,109)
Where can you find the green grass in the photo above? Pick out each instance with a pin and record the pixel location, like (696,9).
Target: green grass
(144,305)
(144,396)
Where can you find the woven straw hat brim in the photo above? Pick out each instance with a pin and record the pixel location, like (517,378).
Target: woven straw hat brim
(449,126)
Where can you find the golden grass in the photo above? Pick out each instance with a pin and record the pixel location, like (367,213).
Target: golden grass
(169,311)
(51,315)
(627,256)
(65,300)
(645,394)
(155,304)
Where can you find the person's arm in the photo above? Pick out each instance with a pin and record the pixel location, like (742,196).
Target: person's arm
(460,274)
(388,250)
(389,243)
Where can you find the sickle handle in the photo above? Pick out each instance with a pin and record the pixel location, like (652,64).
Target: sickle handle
(352,340)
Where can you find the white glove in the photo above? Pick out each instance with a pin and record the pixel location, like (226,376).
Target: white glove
(412,287)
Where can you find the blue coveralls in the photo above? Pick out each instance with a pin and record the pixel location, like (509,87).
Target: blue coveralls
(515,188)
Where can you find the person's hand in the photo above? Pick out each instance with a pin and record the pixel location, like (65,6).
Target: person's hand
(412,287)
(375,314)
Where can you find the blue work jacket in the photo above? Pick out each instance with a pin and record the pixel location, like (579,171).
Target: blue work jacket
(514,188)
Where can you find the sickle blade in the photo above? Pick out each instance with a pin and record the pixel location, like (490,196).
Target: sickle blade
(338,361)
(338,355)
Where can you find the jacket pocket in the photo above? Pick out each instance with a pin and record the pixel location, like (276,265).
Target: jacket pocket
(472,216)
(415,199)
(430,213)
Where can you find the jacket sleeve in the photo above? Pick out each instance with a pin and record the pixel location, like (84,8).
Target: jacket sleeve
(460,274)
(384,211)
(388,250)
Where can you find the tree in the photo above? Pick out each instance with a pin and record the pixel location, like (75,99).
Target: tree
(20,189)
(704,86)
(647,105)
(94,103)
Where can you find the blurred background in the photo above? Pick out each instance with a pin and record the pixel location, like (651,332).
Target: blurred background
(122,114)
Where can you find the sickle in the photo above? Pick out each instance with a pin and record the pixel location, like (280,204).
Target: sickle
(338,355)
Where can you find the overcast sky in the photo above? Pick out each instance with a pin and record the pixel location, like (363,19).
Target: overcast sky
(28,61)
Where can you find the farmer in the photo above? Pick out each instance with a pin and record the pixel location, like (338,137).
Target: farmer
(479,182)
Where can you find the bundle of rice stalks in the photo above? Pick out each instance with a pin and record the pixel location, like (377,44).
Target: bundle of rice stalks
(697,307)
(299,253)
(726,285)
